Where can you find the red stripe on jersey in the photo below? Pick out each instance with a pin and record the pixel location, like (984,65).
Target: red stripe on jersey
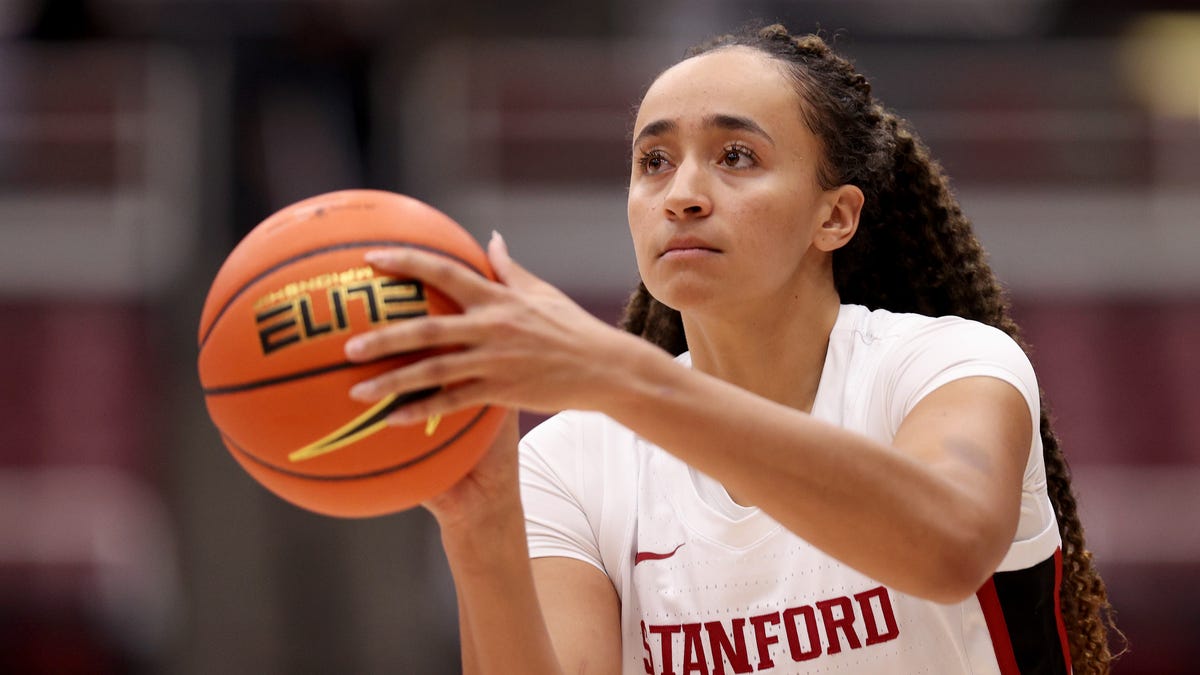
(1058,617)
(989,602)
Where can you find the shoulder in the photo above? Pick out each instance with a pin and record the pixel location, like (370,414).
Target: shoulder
(579,473)
(573,430)
(901,338)
(917,354)
(577,447)
(900,328)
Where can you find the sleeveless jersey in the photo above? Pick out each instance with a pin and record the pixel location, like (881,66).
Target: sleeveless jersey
(710,587)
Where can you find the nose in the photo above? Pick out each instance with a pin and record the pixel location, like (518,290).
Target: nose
(688,194)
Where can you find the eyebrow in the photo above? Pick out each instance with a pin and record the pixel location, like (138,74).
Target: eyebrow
(719,121)
(656,128)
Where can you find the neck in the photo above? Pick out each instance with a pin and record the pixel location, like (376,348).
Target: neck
(754,346)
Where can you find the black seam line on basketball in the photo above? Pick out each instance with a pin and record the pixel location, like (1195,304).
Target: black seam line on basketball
(312,372)
(317,251)
(369,474)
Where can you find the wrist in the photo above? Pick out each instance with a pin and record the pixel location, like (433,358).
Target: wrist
(481,544)
(636,373)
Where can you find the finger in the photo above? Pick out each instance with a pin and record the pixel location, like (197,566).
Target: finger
(448,400)
(509,271)
(431,372)
(462,284)
(502,262)
(411,335)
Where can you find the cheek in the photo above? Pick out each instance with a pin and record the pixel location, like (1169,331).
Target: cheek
(773,229)
(782,214)
(641,198)
(638,217)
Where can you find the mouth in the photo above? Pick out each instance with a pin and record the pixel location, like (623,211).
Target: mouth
(688,245)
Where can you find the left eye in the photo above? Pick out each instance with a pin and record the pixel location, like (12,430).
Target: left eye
(737,158)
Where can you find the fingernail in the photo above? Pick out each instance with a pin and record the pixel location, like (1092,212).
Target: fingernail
(362,391)
(375,257)
(354,346)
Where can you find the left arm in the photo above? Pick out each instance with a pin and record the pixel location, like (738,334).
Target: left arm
(932,514)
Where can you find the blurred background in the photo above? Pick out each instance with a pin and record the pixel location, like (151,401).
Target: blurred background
(140,139)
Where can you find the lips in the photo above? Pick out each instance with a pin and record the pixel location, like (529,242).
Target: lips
(688,243)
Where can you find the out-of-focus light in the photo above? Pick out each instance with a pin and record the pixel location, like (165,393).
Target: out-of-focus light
(1160,55)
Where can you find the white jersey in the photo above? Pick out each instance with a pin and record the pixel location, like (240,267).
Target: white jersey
(708,586)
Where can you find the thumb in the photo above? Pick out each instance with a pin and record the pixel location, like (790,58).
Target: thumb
(508,270)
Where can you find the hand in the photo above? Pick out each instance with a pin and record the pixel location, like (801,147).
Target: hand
(489,488)
(521,343)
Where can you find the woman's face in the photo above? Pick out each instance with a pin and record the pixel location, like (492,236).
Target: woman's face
(723,196)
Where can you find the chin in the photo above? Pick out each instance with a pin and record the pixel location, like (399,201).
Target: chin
(685,297)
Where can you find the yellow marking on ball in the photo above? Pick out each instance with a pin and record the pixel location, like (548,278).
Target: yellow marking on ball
(373,420)
(431,424)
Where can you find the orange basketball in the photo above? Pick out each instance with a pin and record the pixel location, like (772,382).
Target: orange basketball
(276,380)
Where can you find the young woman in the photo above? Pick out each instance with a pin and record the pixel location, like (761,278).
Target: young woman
(828,454)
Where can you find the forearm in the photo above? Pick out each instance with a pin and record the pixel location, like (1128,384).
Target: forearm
(466,640)
(879,510)
(501,624)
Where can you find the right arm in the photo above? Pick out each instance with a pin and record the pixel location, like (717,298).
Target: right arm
(550,615)
(944,492)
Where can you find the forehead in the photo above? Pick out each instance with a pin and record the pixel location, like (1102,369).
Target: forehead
(734,80)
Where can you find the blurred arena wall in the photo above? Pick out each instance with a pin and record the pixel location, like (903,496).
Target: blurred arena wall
(140,139)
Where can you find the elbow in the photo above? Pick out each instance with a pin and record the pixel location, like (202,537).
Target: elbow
(964,564)
(960,579)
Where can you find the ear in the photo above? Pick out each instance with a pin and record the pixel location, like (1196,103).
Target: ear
(845,204)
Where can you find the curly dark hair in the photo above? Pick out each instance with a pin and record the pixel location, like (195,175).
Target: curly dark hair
(914,251)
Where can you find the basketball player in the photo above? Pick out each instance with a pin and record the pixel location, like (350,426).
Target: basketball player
(828,454)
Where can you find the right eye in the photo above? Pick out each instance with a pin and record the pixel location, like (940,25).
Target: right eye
(653,162)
